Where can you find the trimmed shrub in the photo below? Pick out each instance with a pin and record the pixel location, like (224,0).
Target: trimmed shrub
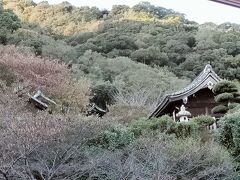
(226,93)
(219,109)
(236,94)
(224,86)
(237,99)
(203,120)
(224,97)
(235,109)
(232,105)
(164,124)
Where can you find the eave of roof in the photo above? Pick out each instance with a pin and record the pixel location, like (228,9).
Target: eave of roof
(234,3)
(189,90)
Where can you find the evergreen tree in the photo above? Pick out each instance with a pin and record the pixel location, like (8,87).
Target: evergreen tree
(227,96)
(9,22)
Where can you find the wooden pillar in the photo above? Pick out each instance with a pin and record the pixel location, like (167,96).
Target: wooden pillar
(174,116)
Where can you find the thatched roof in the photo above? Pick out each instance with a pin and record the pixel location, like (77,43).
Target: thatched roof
(206,79)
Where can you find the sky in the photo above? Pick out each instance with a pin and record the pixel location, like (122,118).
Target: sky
(200,11)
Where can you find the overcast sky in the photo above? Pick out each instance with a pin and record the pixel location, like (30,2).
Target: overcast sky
(198,10)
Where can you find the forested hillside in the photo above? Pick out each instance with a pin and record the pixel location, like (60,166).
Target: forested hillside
(124,60)
(155,36)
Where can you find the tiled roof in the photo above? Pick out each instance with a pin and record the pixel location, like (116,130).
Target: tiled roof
(187,91)
(234,3)
(197,80)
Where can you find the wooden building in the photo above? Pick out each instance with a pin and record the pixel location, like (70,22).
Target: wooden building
(194,100)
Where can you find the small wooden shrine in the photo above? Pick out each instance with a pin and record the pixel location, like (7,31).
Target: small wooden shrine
(194,100)
(40,101)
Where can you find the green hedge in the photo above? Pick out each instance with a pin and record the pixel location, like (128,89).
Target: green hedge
(163,124)
(119,135)
(115,138)
(203,120)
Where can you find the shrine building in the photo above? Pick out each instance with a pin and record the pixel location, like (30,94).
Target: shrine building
(194,100)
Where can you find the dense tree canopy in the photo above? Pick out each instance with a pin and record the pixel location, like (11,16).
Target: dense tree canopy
(160,38)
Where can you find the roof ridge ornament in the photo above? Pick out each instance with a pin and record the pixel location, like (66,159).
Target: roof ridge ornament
(208,68)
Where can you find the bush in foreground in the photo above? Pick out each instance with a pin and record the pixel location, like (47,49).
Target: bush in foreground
(52,146)
(229,132)
(42,145)
(171,159)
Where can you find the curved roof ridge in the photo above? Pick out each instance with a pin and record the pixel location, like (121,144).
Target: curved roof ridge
(207,71)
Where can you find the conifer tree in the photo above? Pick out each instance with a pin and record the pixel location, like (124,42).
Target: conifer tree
(227,96)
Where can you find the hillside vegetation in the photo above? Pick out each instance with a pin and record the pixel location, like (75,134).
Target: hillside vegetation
(124,60)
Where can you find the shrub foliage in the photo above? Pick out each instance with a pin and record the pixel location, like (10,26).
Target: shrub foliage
(226,94)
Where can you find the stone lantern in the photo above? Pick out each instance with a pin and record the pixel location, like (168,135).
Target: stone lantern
(183,115)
